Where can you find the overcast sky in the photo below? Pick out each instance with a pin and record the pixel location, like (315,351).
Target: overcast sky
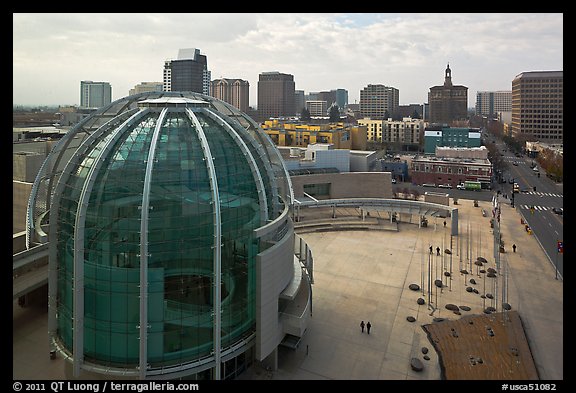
(52,53)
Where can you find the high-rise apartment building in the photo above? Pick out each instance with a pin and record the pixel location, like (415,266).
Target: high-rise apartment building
(187,73)
(146,87)
(448,102)
(276,95)
(538,106)
(233,91)
(490,103)
(378,101)
(95,94)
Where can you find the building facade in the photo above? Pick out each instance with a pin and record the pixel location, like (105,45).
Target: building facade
(95,94)
(301,135)
(317,108)
(187,73)
(538,106)
(451,137)
(491,103)
(406,132)
(452,171)
(146,87)
(448,103)
(276,95)
(379,101)
(236,92)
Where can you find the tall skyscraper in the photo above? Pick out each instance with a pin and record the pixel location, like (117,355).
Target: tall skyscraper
(233,91)
(95,94)
(448,102)
(538,106)
(378,102)
(489,103)
(187,73)
(276,95)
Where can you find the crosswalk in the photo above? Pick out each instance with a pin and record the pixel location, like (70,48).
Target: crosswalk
(548,194)
(536,207)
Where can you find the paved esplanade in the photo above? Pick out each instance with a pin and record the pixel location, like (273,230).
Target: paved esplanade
(364,275)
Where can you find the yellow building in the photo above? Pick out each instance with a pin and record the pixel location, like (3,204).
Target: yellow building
(301,135)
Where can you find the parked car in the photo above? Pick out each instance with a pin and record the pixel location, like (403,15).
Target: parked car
(393,181)
(558,210)
(445,185)
(428,185)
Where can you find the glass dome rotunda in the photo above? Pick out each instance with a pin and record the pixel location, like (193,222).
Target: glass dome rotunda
(153,207)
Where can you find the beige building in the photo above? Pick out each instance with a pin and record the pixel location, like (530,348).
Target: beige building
(145,87)
(538,106)
(343,185)
(405,131)
(236,92)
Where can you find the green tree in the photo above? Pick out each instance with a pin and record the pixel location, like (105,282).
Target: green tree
(305,115)
(334,113)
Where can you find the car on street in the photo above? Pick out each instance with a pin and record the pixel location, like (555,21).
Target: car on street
(445,185)
(428,185)
(393,181)
(558,210)
(515,163)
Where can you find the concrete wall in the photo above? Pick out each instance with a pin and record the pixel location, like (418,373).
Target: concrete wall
(437,197)
(348,185)
(274,271)
(25,165)
(20,195)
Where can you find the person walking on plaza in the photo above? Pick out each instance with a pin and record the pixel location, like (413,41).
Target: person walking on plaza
(362,326)
(514,247)
(431,250)
(437,250)
(444,223)
(368,326)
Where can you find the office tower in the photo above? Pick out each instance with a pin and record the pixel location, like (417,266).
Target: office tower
(448,102)
(538,106)
(187,73)
(276,95)
(95,94)
(341,98)
(490,103)
(299,100)
(233,91)
(378,102)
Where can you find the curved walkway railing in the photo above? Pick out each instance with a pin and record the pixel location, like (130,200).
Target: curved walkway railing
(392,206)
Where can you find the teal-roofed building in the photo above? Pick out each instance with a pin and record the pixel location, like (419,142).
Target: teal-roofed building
(450,137)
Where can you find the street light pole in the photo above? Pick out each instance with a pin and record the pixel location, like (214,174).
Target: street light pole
(512,197)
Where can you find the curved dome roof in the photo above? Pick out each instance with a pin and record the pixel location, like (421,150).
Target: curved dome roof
(170,144)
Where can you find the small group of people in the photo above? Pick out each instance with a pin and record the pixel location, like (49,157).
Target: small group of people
(437,250)
(367,325)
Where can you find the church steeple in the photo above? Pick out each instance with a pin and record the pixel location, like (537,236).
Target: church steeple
(448,76)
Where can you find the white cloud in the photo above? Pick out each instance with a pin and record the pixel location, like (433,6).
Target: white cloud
(53,52)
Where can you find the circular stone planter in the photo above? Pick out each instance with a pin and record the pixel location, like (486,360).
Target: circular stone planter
(416,364)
